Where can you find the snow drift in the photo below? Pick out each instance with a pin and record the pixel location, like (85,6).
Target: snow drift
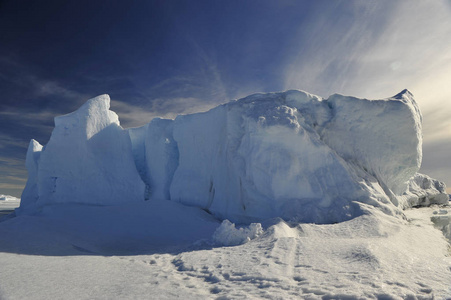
(290,154)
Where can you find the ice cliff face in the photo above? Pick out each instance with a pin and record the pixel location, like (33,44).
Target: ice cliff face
(87,160)
(291,155)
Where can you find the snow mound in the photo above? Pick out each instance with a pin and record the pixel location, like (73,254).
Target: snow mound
(424,191)
(228,235)
(290,154)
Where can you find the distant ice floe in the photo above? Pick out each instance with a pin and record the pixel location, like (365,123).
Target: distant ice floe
(8,198)
(8,203)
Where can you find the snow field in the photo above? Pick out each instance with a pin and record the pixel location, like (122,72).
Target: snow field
(122,253)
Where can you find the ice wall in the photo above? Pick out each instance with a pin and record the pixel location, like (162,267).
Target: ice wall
(88,159)
(291,154)
(260,158)
(381,136)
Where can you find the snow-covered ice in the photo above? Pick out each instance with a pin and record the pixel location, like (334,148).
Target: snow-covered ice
(424,191)
(88,159)
(228,235)
(290,154)
(273,196)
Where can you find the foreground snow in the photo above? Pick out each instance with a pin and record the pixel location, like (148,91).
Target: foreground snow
(163,250)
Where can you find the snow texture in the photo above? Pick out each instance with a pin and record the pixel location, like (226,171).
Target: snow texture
(424,191)
(290,154)
(165,250)
(228,235)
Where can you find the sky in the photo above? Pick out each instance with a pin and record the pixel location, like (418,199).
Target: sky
(163,58)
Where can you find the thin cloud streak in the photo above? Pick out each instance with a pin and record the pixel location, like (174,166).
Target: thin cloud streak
(330,52)
(210,70)
(391,46)
(409,49)
(22,76)
(135,116)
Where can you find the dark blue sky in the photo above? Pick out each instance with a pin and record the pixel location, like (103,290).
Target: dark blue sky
(161,58)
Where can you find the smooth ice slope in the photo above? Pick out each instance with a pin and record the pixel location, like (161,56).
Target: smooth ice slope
(289,154)
(87,160)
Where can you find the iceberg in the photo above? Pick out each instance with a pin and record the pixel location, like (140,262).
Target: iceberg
(289,154)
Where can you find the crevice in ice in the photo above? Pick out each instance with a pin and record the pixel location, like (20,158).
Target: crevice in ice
(172,169)
(147,192)
(241,195)
(54,179)
(211,195)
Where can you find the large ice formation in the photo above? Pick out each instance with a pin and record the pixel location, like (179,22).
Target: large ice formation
(87,160)
(289,154)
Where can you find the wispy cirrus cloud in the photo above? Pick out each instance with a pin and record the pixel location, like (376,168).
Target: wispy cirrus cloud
(30,97)
(330,50)
(136,115)
(28,105)
(196,89)
(379,49)
(383,48)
